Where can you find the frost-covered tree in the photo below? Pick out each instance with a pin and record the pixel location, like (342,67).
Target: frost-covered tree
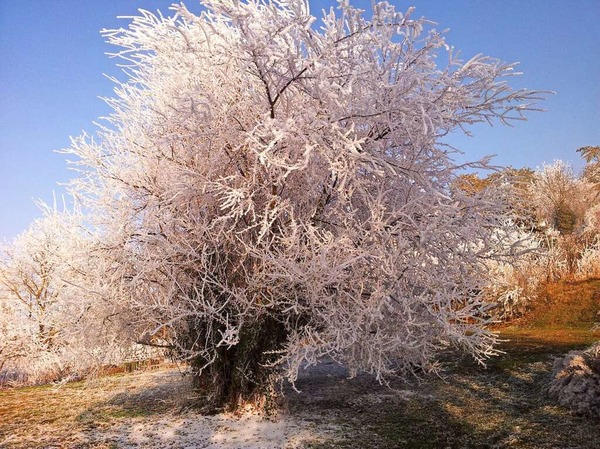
(30,269)
(560,197)
(51,322)
(269,191)
(566,205)
(591,155)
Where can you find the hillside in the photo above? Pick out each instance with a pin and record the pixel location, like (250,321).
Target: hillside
(565,305)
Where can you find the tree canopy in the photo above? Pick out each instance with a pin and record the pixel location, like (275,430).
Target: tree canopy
(269,191)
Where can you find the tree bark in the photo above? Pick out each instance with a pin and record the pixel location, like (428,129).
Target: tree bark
(241,374)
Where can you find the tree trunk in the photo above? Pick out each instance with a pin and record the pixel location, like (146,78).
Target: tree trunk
(238,376)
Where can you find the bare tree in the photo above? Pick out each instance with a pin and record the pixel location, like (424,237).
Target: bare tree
(268,192)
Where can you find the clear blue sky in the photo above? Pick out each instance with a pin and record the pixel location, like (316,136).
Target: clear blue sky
(52,60)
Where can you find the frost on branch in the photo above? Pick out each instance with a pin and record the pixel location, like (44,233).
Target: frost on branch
(271,190)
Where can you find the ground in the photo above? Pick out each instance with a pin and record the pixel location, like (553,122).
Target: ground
(501,405)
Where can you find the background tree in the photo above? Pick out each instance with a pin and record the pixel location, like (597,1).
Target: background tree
(591,174)
(472,184)
(591,155)
(513,183)
(52,325)
(267,192)
(560,197)
(564,204)
(514,283)
(29,276)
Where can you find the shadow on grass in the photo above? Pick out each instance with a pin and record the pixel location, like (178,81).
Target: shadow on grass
(502,405)
(164,397)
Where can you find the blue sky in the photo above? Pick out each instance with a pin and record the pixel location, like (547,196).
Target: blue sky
(52,60)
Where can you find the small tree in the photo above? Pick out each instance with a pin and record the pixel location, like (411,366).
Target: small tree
(29,276)
(51,322)
(268,194)
(561,198)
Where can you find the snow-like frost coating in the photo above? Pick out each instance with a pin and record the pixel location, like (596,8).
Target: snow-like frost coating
(259,166)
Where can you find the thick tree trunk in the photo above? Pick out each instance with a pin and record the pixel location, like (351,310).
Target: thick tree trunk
(239,375)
